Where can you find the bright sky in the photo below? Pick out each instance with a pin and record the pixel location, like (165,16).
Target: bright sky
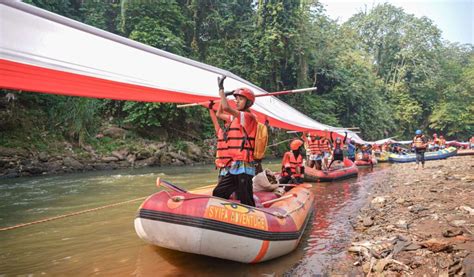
(455,18)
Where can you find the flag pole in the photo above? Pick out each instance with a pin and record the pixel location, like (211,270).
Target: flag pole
(283,92)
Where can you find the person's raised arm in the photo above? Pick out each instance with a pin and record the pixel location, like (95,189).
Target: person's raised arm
(224,104)
(345,138)
(331,137)
(213,116)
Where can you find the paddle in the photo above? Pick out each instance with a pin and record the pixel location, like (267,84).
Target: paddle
(293,91)
(168,185)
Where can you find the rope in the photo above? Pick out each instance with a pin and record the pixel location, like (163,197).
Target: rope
(71,214)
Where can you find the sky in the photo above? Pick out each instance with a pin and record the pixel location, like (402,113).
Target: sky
(455,18)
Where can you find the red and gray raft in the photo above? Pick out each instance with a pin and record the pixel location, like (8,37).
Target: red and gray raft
(199,223)
(348,170)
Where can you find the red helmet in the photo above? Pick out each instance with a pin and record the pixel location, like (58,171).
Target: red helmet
(295,144)
(245,92)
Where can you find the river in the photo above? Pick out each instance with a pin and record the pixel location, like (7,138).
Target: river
(104,241)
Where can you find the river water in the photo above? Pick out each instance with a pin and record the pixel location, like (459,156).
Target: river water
(104,242)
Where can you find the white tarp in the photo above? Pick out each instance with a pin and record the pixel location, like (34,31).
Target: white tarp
(45,52)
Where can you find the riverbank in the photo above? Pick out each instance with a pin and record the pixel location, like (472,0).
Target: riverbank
(120,153)
(416,223)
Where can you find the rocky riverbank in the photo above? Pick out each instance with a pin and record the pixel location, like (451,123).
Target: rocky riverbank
(416,223)
(24,162)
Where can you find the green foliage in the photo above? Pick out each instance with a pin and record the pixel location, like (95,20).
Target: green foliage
(76,117)
(385,71)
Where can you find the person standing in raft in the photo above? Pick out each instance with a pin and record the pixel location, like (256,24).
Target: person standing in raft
(419,143)
(239,140)
(351,150)
(292,169)
(337,153)
(435,142)
(222,157)
(442,142)
(319,150)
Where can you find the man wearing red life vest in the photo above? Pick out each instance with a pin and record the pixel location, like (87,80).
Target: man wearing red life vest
(420,143)
(237,143)
(292,168)
(222,157)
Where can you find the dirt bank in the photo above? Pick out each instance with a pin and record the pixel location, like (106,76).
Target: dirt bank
(416,223)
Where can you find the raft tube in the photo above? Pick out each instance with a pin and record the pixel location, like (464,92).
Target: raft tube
(366,163)
(465,152)
(382,157)
(348,170)
(199,223)
(436,155)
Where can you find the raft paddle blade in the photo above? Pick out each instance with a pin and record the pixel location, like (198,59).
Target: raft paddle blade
(168,185)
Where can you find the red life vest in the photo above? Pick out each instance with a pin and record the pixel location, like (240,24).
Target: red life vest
(223,158)
(418,142)
(240,142)
(290,161)
(316,147)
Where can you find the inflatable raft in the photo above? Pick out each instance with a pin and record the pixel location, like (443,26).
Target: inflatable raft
(465,152)
(436,155)
(348,170)
(382,157)
(199,223)
(359,162)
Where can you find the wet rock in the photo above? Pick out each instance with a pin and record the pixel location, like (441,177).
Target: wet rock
(458,223)
(467,209)
(367,222)
(147,162)
(42,156)
(12,152)
(131,158)
(144,154)
(120,155)
(417,208)
(451,233)
(193,151)
(72,163)
(114,132)
(436,245)
(468,265)
(109,159)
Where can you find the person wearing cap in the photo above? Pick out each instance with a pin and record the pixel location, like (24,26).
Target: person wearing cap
(292,169)
(239,139)
(419,144)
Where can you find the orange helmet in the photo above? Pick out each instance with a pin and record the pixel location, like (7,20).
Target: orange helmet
(295,144)
(245,92)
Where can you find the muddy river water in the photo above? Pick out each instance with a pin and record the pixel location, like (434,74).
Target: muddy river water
(104,242)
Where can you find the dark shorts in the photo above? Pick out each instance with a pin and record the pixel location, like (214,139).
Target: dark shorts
(241,184)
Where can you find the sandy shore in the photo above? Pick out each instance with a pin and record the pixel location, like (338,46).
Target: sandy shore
(416,223)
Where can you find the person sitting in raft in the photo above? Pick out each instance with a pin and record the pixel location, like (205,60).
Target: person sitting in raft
(239,139)
(292,168)
(351,150)
(316,145)
(435,142)
(442,142)
(337,153)
(420,143)
(367,154)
